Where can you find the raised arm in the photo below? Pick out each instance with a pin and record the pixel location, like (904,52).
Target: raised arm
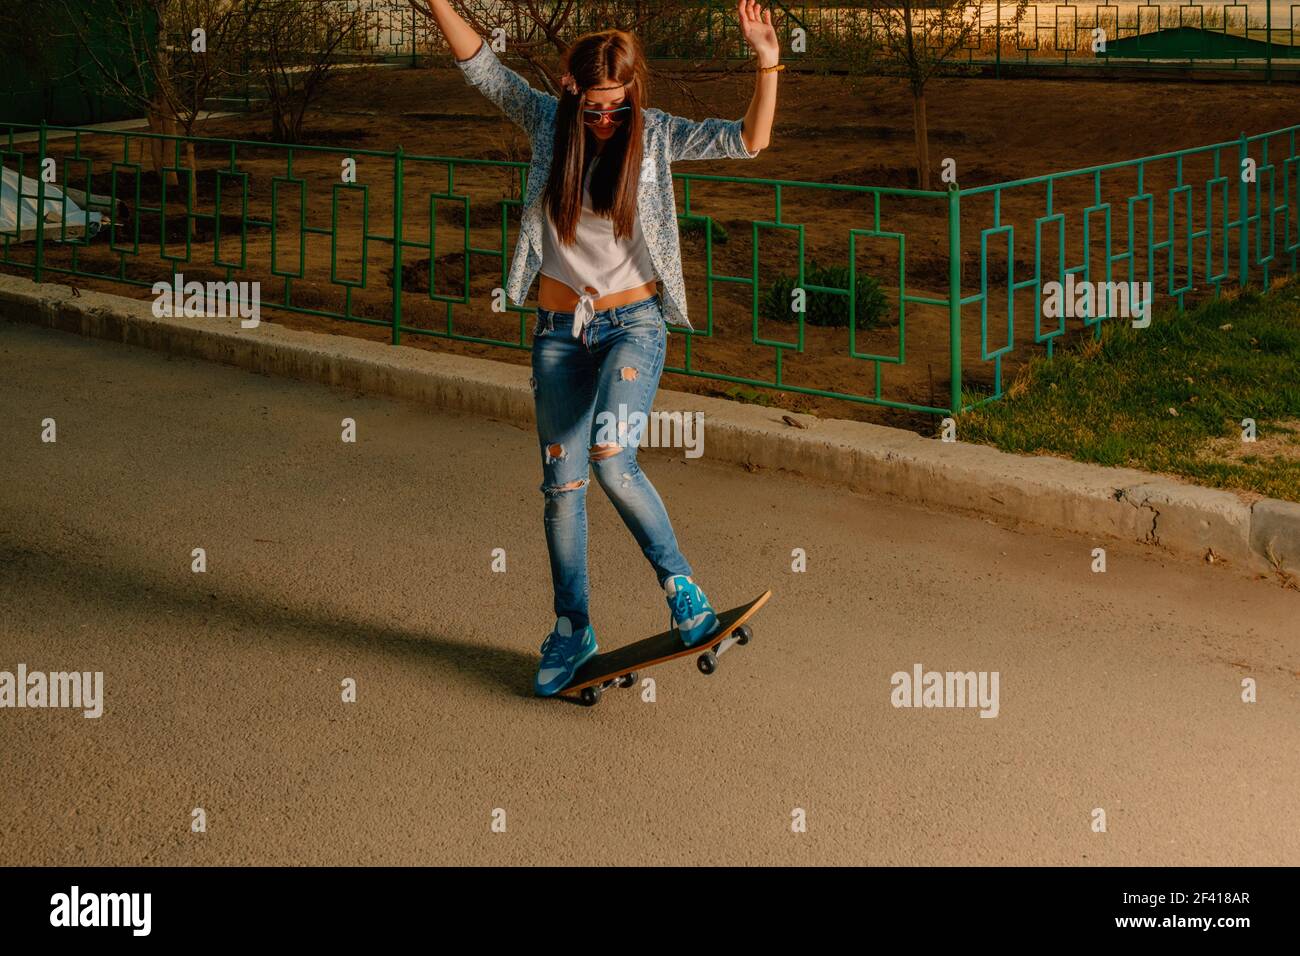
(743,138)
(706,139)
(511,93)
(756,25)
(462,39)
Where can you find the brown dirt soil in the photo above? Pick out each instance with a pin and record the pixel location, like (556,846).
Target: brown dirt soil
(851,131)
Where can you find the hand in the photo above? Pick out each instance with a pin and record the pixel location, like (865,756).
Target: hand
(756,26)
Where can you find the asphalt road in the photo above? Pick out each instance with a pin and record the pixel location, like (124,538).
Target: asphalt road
(372,561)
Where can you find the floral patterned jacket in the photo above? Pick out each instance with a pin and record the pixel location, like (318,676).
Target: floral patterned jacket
(667,138)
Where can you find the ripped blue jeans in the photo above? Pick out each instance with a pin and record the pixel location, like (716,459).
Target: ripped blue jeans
(586,391)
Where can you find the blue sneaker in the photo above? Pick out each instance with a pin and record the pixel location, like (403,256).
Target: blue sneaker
(692,612)
(563,652)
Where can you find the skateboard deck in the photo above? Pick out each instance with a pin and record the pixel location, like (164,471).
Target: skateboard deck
(619,666)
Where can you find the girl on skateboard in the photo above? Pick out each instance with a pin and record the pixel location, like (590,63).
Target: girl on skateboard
(600,226)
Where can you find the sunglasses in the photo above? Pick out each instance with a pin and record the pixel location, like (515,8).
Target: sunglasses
(616,115)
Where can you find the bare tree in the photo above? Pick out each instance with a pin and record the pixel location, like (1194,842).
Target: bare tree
(299,44)
(919,38)
(539,33)
(175,54)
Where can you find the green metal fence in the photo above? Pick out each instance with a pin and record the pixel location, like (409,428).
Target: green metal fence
(421,245)
(1188,222)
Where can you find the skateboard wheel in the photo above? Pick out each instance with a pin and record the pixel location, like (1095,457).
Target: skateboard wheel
(707,662)
(590,696)
(627,680)
(743,634)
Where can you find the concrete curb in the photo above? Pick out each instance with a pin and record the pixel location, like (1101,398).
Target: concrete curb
(1049,492)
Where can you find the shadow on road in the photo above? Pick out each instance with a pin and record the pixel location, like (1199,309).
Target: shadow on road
(147,592)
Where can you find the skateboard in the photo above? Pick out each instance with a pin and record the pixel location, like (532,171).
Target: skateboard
(618,667)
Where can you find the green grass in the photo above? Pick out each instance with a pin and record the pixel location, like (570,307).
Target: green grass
(752,396)
(1169,398)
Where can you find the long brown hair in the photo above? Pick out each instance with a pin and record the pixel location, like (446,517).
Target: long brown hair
(606,58)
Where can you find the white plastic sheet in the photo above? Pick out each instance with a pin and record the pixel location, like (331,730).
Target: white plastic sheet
(18,211)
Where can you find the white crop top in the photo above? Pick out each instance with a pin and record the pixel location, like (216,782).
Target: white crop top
(596,259)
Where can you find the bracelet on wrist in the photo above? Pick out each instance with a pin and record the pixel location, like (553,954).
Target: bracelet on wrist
(771,69)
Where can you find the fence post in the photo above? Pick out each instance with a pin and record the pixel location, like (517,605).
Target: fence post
(397,246)
(954,295)
(40,204)
(1243,203)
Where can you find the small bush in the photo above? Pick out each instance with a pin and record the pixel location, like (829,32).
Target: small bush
(695,228)
(826,308)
